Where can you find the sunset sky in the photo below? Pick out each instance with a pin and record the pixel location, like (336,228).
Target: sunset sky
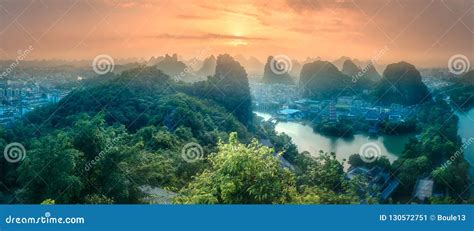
(423,32)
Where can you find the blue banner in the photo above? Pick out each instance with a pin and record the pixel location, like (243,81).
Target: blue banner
(237,217)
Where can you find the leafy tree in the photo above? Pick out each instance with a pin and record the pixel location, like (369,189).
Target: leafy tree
(356,161)
(48,202)
(325,172)
(97,199)
(342,128)
(442,200)
(452,178)
(408,172)
(318,195)
(51,170)
(241,174)
(89,135)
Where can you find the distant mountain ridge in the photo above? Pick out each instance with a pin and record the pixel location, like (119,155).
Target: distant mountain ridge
(339,63)
(170,65)
(252,65)
(208,66)
(364,76)
(350,68)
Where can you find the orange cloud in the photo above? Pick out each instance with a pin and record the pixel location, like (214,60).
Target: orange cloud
(423,32)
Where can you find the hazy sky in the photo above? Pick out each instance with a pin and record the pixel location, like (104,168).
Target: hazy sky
(424,32)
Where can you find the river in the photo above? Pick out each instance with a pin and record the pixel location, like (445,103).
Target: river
(466,132)
(307,140)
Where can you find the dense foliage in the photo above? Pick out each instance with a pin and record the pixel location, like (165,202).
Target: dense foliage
(252,174)
(117,134)
(428,155)
(135,124)
(241,174)
(341,128)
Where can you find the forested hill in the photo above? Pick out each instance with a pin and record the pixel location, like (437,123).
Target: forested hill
(116,134)
(134,125)
(137,98)
(401,83)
